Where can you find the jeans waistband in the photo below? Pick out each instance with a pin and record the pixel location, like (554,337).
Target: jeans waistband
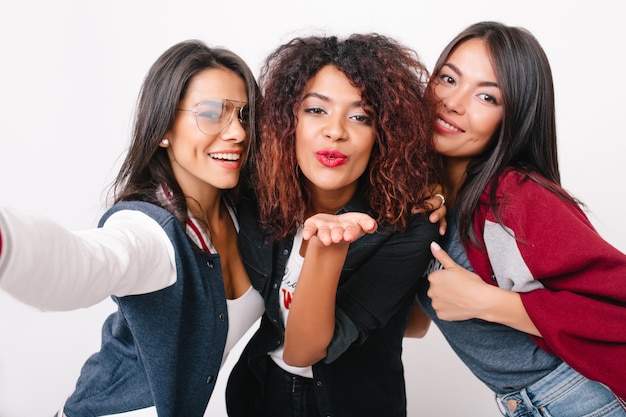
(562,379)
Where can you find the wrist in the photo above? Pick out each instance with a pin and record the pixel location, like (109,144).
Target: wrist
(497,304)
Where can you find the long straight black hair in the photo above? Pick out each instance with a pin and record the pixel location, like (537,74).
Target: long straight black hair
(526,139)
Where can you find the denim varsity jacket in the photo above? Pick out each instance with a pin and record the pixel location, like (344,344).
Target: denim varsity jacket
(362,374)
(163,348)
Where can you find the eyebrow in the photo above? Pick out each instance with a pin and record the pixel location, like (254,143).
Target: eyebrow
(482,83)
(356,103)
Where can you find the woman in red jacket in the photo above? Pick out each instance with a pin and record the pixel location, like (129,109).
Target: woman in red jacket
(542,318)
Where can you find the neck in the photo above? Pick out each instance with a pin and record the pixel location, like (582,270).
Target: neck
(205,206)
(329,201)
(455,171)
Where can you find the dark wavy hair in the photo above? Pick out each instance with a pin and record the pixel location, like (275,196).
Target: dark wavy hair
(147,165)
(526,139)
(392,81)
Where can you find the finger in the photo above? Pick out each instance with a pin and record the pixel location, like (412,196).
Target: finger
(367,224)
(338,234)
(436,188)
(441,255)
(439,216)
(357,229)
(442,198)
(309,230)
(433,203)
(324,234)
(443,226)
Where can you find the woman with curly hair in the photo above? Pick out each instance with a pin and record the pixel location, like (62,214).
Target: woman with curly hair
(345,159)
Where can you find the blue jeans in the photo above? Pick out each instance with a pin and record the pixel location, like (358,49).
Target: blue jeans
(562,393)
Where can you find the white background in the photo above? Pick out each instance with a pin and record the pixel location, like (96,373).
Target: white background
(70,72)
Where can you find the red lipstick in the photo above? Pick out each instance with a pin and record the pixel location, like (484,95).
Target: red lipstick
(331,158)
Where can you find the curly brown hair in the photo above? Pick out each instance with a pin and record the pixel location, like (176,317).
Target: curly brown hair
(392,81)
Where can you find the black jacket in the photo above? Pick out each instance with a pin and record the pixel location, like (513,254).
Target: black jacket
(362,374)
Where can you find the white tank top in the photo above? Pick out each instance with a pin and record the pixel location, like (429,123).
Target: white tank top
(242,313)
(287,288)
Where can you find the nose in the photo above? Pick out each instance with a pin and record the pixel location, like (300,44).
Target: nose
(234,131)
(334,129)
(454,101)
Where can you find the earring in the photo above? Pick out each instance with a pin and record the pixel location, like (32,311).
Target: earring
(165,142)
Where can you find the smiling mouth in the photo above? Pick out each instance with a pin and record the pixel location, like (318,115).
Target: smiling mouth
(447,125)
(225,156)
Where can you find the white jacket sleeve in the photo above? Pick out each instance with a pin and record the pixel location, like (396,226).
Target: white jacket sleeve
(51,268)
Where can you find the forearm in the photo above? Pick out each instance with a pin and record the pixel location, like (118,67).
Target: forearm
(311,321)
(505,307)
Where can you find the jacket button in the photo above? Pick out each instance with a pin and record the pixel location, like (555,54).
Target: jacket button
(209,264)
(209,379)
(222,316)
(493,278)
(275,286)
(285,251)
(319,383)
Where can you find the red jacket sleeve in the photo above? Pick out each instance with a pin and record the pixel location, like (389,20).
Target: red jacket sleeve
(581,311)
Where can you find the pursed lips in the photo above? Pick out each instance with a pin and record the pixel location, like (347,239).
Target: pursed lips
(331,158)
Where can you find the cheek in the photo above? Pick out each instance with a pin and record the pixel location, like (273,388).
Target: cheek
(438,93)
(300,142)
(365,153)
(437,143)
(486,125)
(304,154)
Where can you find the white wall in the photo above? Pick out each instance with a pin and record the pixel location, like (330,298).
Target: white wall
(69,75)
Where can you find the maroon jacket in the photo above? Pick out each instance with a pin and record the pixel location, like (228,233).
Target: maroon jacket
(572,282)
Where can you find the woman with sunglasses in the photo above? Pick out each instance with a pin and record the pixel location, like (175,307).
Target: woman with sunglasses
(166,251)
(530,297)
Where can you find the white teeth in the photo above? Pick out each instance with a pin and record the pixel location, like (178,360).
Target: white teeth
(226,156)
(447,125)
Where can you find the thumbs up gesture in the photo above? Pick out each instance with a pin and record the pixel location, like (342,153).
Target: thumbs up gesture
(456,293)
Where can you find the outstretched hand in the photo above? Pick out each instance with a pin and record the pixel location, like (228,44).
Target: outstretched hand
(336,228)
(456,293)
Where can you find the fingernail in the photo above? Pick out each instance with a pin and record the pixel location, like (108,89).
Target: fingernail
(435,246)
